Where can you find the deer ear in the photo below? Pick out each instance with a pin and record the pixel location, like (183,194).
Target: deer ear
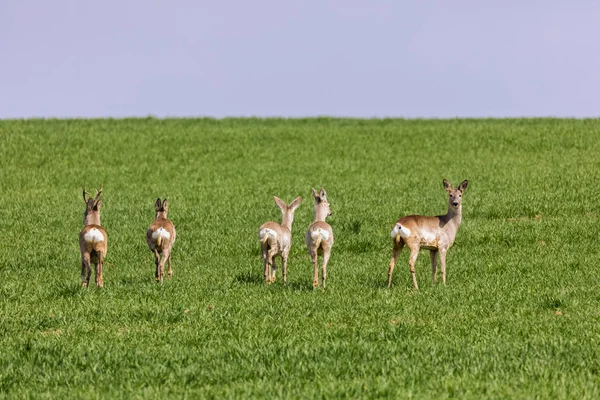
(165,205)
(323,193)
(98,205)
(280,203)
(447,186)
(294,204)
(315,193)
(158,204)
(463,185)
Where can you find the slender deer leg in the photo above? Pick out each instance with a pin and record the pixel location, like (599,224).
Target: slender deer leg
(99,280)
(315,260)
(433,256)
(326,255)
(161,265)
(156,262)
(266,263)
(284,266)
(170,268)
(271,264)
(414,253)
(86,269)
(443,264)
(397,247)
(273,270)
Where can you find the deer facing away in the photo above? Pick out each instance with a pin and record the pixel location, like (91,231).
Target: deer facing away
(160,237)
(276,239)
(92,240)
(433,233)
(319,237)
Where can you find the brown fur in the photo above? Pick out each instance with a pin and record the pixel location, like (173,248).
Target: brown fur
(433,233)
(316,244)
(159,245)
(92,252)
(282,243)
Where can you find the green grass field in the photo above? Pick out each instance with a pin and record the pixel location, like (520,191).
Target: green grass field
(519,318)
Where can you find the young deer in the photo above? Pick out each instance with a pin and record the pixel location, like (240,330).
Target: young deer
(92,240)
(276,239)
(160,236)
(319,237)
(433,233)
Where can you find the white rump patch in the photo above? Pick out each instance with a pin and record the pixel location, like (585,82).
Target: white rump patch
(320,232)
(93,236)
(266,232)
(401,231)
(162,232)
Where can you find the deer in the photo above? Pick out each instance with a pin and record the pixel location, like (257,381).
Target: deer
(160,237)
(319,237)
(435,234)
(93,240)
(276,239)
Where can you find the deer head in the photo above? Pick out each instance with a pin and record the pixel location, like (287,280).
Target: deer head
(322,209)
(162,208)
(455,195)
(91,215)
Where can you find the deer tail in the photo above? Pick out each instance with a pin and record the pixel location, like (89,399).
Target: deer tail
(317,236)
(400,231)
(265,234)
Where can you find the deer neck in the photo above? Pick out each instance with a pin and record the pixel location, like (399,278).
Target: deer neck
(161,215)
(92,218)
(287,221)
(320,214)
(453,217)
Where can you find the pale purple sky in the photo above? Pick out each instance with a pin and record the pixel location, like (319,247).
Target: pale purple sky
(437,58)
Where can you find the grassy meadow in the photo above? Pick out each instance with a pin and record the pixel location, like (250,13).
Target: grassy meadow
(519,317)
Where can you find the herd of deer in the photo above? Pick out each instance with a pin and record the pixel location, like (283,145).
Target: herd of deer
(435,234)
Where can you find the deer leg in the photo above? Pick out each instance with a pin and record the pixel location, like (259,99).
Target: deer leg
(86,270)
(99,280)
(265,263)
(161,265)
(170,268)
(156,263)
(315,260)
(271,265)
(397,247)
(433,256)
(326,255)
(273,269)
(284,258)
(443,264)
(414,253)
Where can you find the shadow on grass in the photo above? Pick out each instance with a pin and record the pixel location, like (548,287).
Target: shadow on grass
(379,281)
(249,278)
(553,303)
(69,290)
(302,286)
(131,281)
(256,279)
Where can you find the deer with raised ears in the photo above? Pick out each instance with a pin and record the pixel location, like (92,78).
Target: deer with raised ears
(92,240)
(276,239)
(433,233)
(319,237)
(161,236)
